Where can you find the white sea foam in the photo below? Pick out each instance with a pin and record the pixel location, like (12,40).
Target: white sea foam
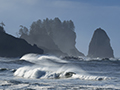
(42,59)
(50,72)
(37,73)
(90,77)
(30,57)
(53,68)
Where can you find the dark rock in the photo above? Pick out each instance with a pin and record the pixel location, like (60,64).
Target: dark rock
(15,47)
(69,74)
(100,45)
(2,29)
(105,59)
(71,58)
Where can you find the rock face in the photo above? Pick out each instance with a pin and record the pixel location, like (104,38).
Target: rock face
(14,47)
(64,37)
(53,36)
(42,40)
(100,45)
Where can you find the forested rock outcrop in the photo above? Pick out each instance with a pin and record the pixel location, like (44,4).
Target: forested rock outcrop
(100,45)
(53,36)
(15,47)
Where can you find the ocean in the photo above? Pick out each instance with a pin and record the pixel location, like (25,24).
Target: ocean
(46,72)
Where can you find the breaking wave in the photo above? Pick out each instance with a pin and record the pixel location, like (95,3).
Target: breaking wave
(51,67)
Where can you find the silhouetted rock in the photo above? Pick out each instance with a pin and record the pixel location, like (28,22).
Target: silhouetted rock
(53,36)
(2,29)
(105,59)
(15,47)
(100,45)
(71,58)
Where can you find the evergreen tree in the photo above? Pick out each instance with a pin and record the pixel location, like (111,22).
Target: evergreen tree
(23,31)
(2,24)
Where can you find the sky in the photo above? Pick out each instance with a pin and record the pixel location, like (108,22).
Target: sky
(87,15)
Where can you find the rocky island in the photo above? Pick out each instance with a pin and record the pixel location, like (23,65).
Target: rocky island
(100,45)
(53,36)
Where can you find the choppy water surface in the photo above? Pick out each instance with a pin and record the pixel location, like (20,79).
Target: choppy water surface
(34,71)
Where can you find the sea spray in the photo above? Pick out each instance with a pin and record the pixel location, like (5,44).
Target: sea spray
(89,73)
(51,67)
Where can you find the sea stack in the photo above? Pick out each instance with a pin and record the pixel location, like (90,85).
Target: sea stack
(100,45)
(53,36)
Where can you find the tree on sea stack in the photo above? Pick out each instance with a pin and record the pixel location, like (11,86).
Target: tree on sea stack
(23,31)
(2,27)
(2,24)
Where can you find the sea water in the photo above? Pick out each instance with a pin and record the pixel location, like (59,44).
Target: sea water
(45,72)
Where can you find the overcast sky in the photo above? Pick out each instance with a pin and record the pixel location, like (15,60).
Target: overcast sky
(87,16)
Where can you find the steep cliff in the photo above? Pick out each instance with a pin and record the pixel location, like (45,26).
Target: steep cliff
(64,36)
(100,45)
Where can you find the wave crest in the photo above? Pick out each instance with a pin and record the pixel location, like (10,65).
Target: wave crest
(52,67)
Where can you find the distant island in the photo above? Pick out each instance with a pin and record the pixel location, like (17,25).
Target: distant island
(52,37)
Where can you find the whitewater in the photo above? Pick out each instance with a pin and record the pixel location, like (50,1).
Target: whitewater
(46,72)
